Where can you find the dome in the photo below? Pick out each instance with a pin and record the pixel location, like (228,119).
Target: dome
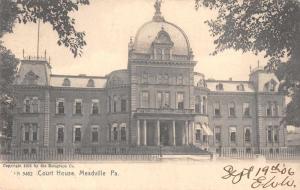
(150,30)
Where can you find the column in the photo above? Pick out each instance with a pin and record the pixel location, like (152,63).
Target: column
(174,133)
(183,134)
(158,133)
(193,132)
(186,126)
(138,132)
(145,132)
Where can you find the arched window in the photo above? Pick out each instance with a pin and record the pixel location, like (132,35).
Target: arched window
(115,132)
(219,87)
(30,78)
(66,82)
(240,87)
(123,131)
(270,86)
(35,104)
(91,83)
(27,105)
(198,104)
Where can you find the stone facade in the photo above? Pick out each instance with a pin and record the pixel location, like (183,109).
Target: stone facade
(159,100)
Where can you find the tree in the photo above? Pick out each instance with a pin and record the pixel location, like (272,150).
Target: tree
(55,12)
(8,64)
(271,27)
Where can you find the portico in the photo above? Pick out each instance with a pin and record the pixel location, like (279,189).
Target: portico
(164,132)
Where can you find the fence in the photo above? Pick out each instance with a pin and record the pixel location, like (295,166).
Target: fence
(86,154)
(282,153)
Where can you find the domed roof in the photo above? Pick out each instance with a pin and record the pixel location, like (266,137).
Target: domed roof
(150,30)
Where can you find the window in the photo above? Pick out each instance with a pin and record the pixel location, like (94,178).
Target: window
(219,87)
(217,134)
(66,82)
(273,134)
(274,109)
(30,132)
(163,99)
(60,134)
(60,151)
(35,104)
(95,107)
(34,132)
(198,135)
(27,105)
(123,132)
(166,79)
(232,131)
(78,106)
(198,104)
(158,53)
(26,132)
(269,109)
(205,139)
(247,135)
(204,105)
(240,87)
(115,132)
(231,109)
(166,99)
(115,102)
(276,131)
(159,100)
(91,83)
(217,110)
(180,100)
(269,134)
(179,80)
(123,105)
(60,107)
(109,104)
(33,151)
(31,105)
(246,110)
(95,134)
(145,99)
(77,134)
(145,77)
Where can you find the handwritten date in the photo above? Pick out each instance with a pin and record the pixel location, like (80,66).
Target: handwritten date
(265,177)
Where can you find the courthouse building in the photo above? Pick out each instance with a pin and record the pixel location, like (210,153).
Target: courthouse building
(159,100)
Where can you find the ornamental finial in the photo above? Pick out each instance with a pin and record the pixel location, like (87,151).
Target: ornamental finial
(157,17)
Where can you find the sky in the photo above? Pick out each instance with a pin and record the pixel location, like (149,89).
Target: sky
(109,24)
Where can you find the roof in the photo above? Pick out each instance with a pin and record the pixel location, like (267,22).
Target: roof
(230,86)
(149,31)
(80,81)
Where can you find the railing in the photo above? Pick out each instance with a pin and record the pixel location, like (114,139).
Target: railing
(282,153)
(165,110)
(84,154)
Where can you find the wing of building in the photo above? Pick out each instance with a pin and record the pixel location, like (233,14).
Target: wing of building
(159,100)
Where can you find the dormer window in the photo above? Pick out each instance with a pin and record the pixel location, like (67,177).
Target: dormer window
(30,78)
(240,87)
(66,82)
(162,46)
(91,83)
(219,87)
(270,86)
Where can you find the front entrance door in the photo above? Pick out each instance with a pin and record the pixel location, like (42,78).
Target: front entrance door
(164,135)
